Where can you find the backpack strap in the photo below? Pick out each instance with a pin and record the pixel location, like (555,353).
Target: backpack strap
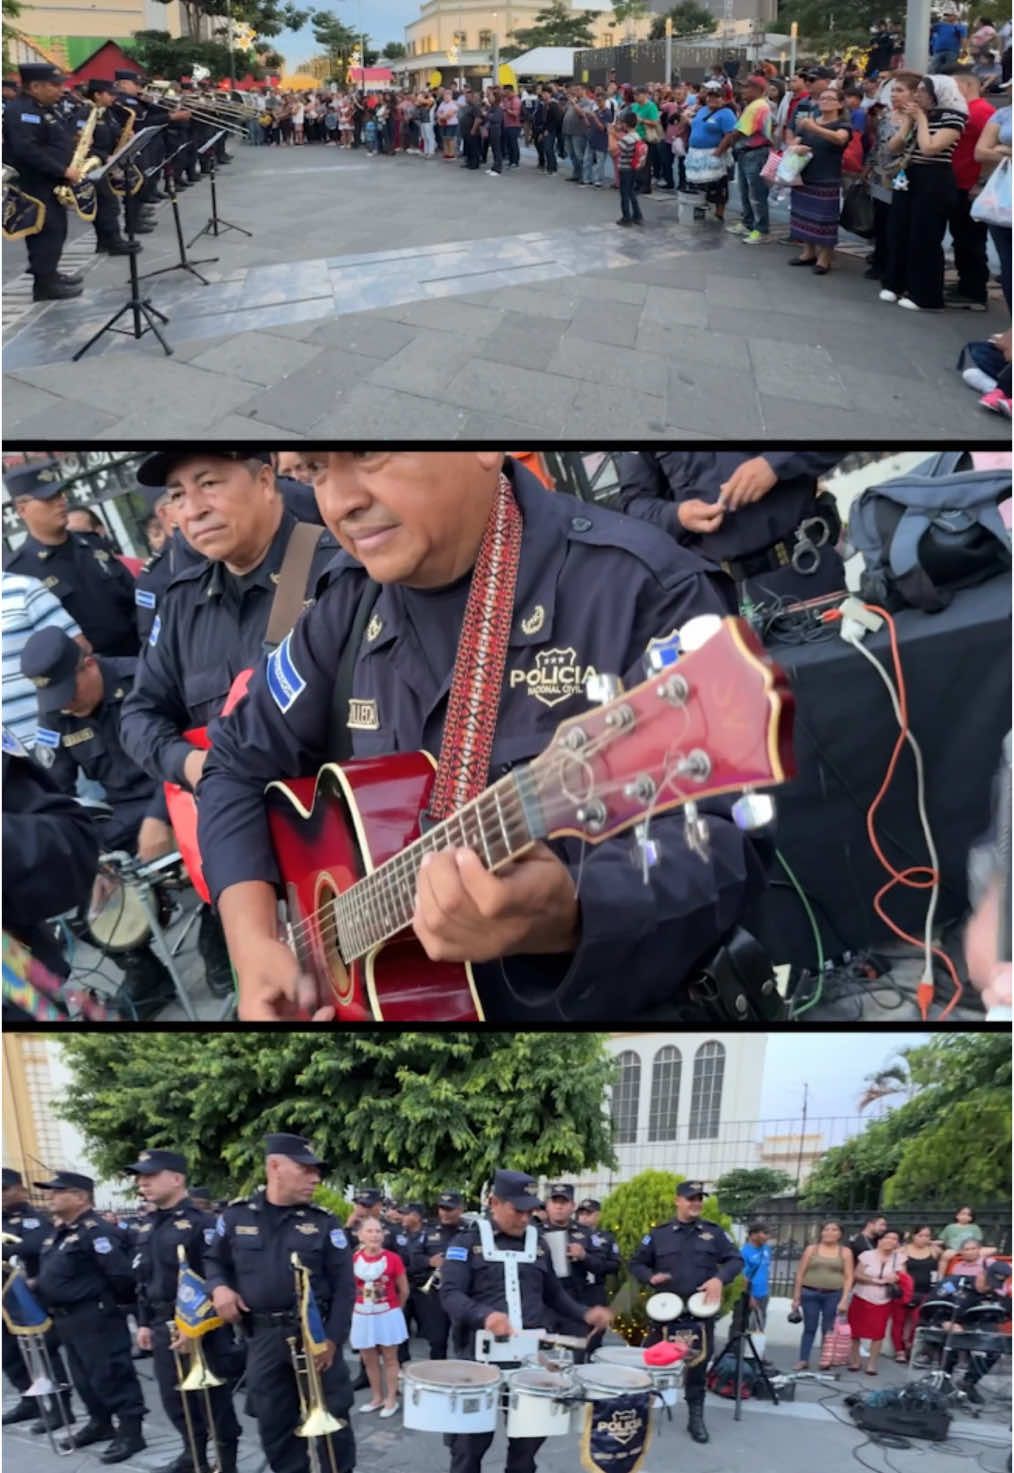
(339,744)
(290,591)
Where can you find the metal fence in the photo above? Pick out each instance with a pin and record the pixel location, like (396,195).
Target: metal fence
(105,479)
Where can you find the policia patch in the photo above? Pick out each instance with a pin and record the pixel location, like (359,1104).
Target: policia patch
(616,1434)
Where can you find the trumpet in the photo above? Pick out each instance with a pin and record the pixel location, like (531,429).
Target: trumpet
(57,1416)
(432,1283)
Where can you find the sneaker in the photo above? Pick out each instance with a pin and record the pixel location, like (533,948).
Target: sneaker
(888,296)
(970,304)
(979,381)
(623,222)
(493,173)
(908,304)
(997,402)
(738,228)
(389,1412)
(756,238)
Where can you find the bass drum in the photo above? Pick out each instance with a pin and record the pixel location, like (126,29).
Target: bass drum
(536,1405)
(450,1396)
(665,1379)
(117,919)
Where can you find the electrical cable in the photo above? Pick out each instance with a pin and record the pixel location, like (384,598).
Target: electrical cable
(818,942)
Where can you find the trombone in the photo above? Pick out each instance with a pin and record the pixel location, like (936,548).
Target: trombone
(56,1416)
(316,1422)
(199,1378)
(432,1284)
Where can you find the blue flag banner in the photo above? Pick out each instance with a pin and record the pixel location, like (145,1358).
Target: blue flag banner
(310,1322)
(616,1434)
(22,1312)
(195,1313)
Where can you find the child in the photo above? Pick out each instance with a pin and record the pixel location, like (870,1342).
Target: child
(630,159)
(371,134)
(331,123)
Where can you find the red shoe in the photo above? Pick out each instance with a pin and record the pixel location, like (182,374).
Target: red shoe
(997,401)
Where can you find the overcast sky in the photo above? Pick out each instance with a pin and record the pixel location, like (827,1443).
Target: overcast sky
(385,20)
(834,1065)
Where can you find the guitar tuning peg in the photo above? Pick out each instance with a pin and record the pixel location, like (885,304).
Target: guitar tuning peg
(646,851)
(601,689)
(696,834)
(753,811)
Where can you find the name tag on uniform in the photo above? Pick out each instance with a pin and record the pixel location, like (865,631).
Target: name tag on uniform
(75,738)
(182,1223)
(363,716)
(243,1231)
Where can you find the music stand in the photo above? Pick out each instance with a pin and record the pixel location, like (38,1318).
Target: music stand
(183,264)
(139,306)
(215,220)
(739,1341)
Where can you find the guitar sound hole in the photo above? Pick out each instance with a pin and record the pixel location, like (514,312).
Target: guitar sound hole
(327,941)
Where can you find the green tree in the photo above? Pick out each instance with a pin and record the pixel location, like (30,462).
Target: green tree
(827,25)
(415,1111)
(394,50)
(558,25)
(170,57)
(688,19)
(739,1190)
(914,1150)
(339,41)
(209,18)
(11,9)
(625,12)
(893,1079)
(630,1211)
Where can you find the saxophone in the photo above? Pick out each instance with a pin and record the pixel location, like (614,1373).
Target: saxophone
(81,197)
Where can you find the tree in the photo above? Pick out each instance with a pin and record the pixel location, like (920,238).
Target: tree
(828,25)
(625,12)
(915,1148)
(340,40)
(267,17)
(688,19)
(11,11)
(418,1112)
(394,50)
(170,57)
(558,25)
(629,1211)
(739,1190)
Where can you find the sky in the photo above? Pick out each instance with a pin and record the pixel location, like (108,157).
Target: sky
(385,20)
(834,1065)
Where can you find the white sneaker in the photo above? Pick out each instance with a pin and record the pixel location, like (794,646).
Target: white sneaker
(907,302)
(493,173)
(371,1406)
(888,296)
(737,229)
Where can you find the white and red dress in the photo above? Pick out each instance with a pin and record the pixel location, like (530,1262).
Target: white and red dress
(377,1318)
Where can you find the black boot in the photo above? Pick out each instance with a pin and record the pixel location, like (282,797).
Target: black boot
(227,1454)
(126,1443)
(54,290)
(69,278)
(968,1387)
(215,954)
(695,1421)
(92,1431)
(118,247)
(26,1410)
(57,1415)
(147,986)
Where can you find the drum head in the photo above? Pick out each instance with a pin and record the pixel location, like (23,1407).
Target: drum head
(540,1383)
(450,1375)
(664,1307)
(700,1308)
(620,1355)
(117,918)
(552,1358)
(605,1380)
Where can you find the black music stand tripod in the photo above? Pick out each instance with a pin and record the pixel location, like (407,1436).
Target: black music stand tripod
(139,307)
(216,225)
(740,1340)
(184,263)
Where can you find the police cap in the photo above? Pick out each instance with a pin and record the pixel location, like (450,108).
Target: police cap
(39,71)
(589,1204)
(561,1189)
(40,479)
(151,1162)
(368,1197)
(156,469)
(71,1181)
(691,1189)
(296,1147)
(12,1178)
(513,1187)
(204,1193)
(127,74)
(49,660)
(98,84)
(450,1199)
(419,1208)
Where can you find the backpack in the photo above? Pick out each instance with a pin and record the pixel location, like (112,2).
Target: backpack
(640,156)
(930,531)
(722,1378)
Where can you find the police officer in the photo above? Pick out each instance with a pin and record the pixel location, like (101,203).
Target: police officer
(158,571)
(249,1271)
(50,855)
(583,1256)
(497,1276)
(682,1256)
(80,700)
(602,1263)
(202,1199)
(23,1220)
(146,114)
(89,580)
(178,1223)
(39,143)
(107,134)
(758,514)
(425,1266)
(84,1277)
(415,522)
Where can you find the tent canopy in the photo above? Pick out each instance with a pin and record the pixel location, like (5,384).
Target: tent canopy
(545,61)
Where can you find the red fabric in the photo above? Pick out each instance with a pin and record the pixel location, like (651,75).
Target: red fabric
(966,168)
(385,1286)
(869,1321)
(133,565)
(852,158)
(665,1353)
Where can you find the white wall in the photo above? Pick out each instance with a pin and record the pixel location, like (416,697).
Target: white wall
(74,1152)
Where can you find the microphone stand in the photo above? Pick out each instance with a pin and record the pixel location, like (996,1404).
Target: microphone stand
(216,224)
(183,264)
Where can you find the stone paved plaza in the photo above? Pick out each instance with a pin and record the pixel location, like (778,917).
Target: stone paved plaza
(401,297)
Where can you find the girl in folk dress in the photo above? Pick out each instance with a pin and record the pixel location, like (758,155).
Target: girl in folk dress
(378,1320)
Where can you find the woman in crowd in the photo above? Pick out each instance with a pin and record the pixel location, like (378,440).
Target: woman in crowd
(378,1320)
(707,167)
(970,1262)
(822,1288)
(961,1227)
(929,123)
(345,120)
(876,1272)
(816,201)
(447,117)
(881,166)
(427,112)
(992,147)
(494,129)
(921,1255)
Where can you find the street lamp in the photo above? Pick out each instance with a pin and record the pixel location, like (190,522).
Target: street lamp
(668,50)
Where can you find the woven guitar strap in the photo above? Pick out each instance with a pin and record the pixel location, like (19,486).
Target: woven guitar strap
(474,702)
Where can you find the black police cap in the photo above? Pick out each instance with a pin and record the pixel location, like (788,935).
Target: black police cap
(67,1181)
(296,1147)
(589,1204)
(156,469)
(39,71)
(149,1163)
(49,660)
(513,1187)
(450,1199)
(41,479)
(368,1197)
(11,82)
(204,1193)
(98,84)
(561,1189)
(691,1189)
(419,1208)
(12,1178)
(127,74)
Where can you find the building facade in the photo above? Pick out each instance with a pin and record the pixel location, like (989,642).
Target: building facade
(70,31)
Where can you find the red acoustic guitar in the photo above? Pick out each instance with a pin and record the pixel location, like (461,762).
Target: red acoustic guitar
(349,846)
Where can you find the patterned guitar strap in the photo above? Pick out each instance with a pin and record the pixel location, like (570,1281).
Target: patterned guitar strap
(474,701)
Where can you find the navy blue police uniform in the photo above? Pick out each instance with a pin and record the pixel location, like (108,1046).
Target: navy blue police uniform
(85,1278)
(86,576)
(155,576)
(690,1253)
(39,143)
(108,130)
(32,1226)
(432,1242)
(595,1261)
(157,1264)
(50,856)
(472,1288)
(593,1287)
(592,589)
(252,1254)
(754,544)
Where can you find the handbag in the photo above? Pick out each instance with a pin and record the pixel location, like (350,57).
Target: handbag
(770,168)
(791,166)
(652,130)
(993,205)
(857,211)
(837,1346)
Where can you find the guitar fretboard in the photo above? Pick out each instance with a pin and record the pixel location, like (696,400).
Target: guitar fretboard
(498,825)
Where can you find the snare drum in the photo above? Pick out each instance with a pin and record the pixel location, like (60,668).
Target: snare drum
(117,919)
(665,1379)
(603,1382)
(450,1396)
(535,1407)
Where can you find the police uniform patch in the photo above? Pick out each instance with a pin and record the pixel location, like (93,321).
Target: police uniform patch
(209,1236)
(245,1231)
(74,738)
(305,1227)
(156,630)
(374,628)
(29,1222)
(363,716)
(460,1255)
(31,118)
(12,746)
(338,1238)
(45,757)
(645,1240)
(557,676)
(220,1226)
(284,680)
(144,598)
(102,1245)
(47,738)
(534,621)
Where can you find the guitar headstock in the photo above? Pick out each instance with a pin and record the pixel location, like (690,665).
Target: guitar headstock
(715,718)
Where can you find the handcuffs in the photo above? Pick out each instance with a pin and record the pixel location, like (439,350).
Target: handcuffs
(806,552)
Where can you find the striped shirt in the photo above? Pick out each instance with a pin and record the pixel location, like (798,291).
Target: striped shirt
(27,606)
(938,119)
(625,158)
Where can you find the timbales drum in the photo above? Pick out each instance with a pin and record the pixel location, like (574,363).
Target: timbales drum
(538,1402)
(450,1396)
(663,1308)
(665,1379)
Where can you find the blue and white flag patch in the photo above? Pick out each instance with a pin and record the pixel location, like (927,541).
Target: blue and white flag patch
(103,1245)
(209,1236)
(284,681)
(459,1254)
(144,598)
(30,118)
(156,630)
(47,738)
(338,1238)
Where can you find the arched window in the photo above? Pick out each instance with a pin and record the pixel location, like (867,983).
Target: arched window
(665,1094)
(626,1093)
(706,1093)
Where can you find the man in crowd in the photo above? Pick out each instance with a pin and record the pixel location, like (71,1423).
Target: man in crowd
(588,1259)
(756,1255)
(969,236)
(873,1230)
(39,144)
(31,1227)
(947,37)
(415,524)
